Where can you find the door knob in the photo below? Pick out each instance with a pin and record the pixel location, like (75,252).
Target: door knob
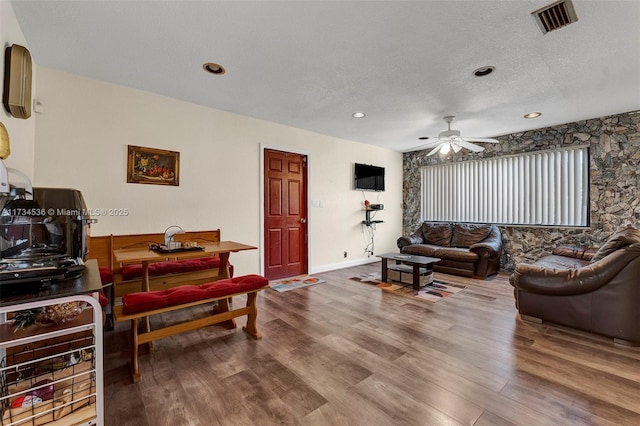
(303,220)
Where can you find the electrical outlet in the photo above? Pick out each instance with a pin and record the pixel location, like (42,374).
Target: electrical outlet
(345,254)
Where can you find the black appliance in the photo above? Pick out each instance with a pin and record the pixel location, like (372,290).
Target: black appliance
(43,237)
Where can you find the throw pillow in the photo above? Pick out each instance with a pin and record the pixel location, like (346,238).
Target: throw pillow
(618,240)
(467,234)
(575,252)
(569,251)
(437,233)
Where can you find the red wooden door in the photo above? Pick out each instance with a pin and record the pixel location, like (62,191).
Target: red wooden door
(285,214)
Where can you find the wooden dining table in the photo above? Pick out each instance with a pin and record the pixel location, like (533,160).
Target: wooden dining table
(146,256)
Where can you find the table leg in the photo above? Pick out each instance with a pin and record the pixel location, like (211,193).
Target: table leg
(224,265)
(145,276)
(416,277)
(384,270)
(146,286)
(223,306)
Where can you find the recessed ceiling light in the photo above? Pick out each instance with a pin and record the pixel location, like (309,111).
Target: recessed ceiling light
(358,115)
(214,68)
(482,71)
(533,115)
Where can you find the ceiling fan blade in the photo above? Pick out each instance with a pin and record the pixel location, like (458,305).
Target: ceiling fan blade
(487,140)
(456,147)
(436,149)
(424,146)
(470,146)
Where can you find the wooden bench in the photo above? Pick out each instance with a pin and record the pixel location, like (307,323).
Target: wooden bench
(101,248)
(137,306)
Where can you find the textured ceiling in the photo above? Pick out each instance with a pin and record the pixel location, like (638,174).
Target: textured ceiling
(312,64)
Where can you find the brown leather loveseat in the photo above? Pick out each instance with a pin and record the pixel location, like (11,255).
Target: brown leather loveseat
(467,249)
(595,292)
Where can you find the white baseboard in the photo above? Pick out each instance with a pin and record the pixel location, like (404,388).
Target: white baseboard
(343,265)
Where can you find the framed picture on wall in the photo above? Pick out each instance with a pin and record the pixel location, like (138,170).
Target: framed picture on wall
(153,166)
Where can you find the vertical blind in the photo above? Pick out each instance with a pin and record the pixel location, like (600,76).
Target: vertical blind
(538,188)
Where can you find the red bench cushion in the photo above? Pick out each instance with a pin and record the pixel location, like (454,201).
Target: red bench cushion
(102,299)
(146,301)
(105,275)
(130,272)
(105,278)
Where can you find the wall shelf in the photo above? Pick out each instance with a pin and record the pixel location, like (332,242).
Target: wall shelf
(368,220)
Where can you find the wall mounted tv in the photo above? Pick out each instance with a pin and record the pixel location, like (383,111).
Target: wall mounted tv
(368,177)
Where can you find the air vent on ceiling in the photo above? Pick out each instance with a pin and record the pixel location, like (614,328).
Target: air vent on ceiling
(555,16)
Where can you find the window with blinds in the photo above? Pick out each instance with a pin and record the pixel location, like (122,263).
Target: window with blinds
(537,188)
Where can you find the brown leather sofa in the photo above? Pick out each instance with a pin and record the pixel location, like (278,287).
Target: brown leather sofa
(595,291)
(467,249)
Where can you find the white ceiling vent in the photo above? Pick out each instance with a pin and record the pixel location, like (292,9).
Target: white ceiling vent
(555,16)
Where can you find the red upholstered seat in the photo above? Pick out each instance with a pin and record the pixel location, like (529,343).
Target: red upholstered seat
(105,275)
(145,301)
(131,272)
(102,299)
(105,278)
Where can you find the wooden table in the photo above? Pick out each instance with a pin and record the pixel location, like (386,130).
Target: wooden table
(418,265)
(147,256)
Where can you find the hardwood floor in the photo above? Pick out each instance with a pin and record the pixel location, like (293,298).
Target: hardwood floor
(346,353)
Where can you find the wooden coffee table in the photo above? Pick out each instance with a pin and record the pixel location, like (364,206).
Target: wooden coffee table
(407,263)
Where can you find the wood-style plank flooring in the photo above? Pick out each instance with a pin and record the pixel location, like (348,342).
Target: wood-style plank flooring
(347,353)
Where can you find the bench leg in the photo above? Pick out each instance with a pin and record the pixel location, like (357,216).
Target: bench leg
(251,329)
(133,363)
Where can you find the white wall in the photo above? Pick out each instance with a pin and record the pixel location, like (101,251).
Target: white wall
(21,131)
(82,138)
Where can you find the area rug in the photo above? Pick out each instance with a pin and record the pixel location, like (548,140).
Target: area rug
(294,283)
(434,292)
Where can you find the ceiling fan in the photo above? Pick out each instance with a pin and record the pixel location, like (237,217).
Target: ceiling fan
(450,140)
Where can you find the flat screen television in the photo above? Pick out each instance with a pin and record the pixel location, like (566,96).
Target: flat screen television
(368,177)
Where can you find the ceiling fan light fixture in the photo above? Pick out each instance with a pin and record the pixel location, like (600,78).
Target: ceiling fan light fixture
(213,68)
(449,134)
(451,139)
(484,71)
(532,115)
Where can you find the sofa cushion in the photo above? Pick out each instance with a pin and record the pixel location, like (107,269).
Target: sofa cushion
(467,234)
(427,250)
(131,272)
(618,240)
(146,301)
(554,261)
(437,233)
(454,253)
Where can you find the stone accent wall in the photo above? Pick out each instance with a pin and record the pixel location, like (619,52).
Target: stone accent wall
(614,179)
